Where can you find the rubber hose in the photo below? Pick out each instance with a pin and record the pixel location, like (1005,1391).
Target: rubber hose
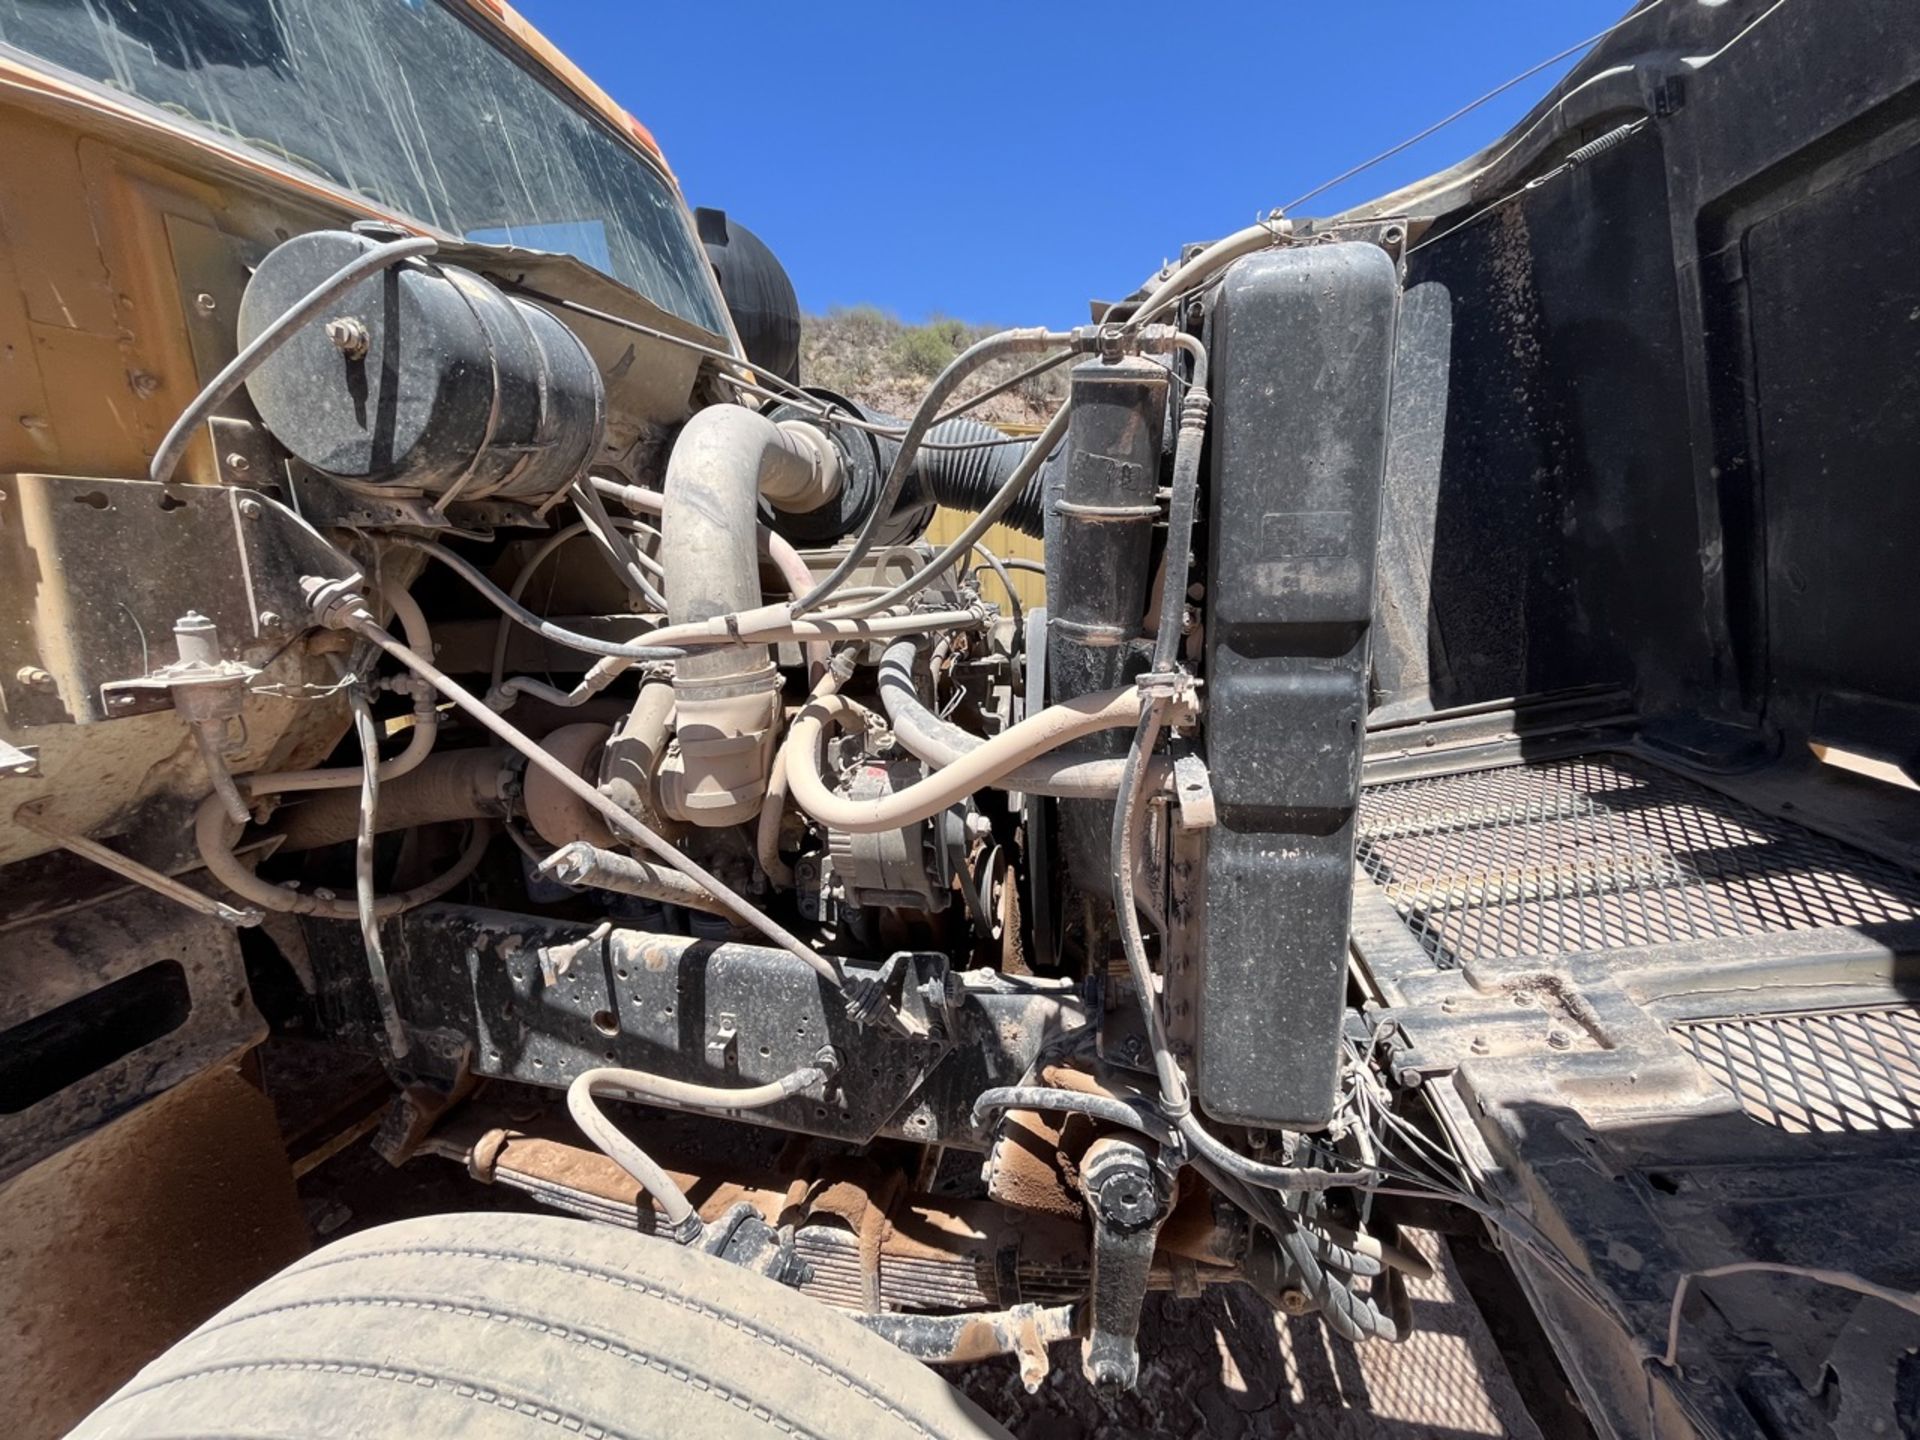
(1104,1108)
(659,1090)
(215,833)
(941,743)
(1040,732)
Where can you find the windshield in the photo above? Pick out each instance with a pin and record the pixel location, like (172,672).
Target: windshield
(403,102)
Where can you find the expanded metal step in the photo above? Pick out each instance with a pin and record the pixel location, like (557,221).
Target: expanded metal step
(1602,853)
(1838,1070)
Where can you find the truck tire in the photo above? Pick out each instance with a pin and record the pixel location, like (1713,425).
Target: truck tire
(530,1326)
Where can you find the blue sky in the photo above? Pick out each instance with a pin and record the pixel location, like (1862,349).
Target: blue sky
(1005,162)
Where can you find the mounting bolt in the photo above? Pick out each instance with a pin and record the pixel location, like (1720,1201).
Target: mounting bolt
(34,678)
(1558,1038)
(205,303)
(1293,1302)
(1409,1079)
(251,509)
(1480,1046)
(239,464)
(270,620)
(349,337)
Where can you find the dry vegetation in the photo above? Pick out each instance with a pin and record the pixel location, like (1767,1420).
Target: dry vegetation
(873,357)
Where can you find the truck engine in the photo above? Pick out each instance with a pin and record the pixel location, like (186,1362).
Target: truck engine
(1431,804)
(676,766)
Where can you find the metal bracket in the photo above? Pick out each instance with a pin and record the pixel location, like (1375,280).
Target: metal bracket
(327,503)
(1127,1199)
(1193,793)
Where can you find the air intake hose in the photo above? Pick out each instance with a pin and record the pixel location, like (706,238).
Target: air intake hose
(959,479)
(967,479)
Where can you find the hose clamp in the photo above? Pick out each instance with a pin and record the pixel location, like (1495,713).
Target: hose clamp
(1176,687)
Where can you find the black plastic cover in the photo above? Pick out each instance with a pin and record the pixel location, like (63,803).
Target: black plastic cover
(759,294)
(453,384)
(1302,349)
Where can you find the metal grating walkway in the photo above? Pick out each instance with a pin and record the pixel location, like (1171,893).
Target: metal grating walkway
(1843,1070)
(1604,852)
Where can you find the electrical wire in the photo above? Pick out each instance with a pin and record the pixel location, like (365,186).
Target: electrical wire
(1563,168)
(1471,106)
(525,575)
(623,558)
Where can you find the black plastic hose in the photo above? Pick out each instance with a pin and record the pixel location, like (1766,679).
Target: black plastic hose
(968,479)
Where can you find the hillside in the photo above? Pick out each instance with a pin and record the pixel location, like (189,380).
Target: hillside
(873,357)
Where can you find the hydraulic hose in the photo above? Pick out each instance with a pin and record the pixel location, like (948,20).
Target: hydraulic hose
(363,896)
(525,574)
(1023,475)
(263,346)
(512,608)
(1107,1109)
(766,834)
(1129,808)
(639,1085)
(1285,1178)
(940,743)
(1208,263)
(214,833)
(1036,735)
(793,570)
(624,559)
(207,734)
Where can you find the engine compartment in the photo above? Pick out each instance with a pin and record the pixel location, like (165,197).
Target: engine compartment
(1442,786)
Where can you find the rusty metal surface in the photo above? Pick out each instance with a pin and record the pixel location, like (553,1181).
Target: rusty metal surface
(61,960)
(116,1247)
(868,1240)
